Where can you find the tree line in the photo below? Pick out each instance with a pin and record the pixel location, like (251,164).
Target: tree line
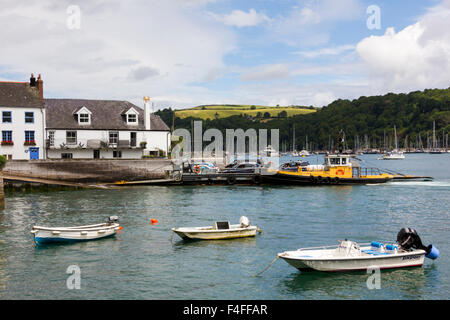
(366,119)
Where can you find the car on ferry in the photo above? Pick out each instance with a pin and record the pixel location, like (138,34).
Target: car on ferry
(244,167)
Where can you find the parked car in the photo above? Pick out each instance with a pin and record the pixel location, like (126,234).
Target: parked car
(246,167)
(204,167)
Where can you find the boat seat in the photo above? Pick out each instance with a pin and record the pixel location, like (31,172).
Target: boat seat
(375,253)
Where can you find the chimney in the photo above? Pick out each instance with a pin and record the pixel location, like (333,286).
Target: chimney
(40,86)
(147,113)
(32,81)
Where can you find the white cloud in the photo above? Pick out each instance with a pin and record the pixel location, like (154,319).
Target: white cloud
(326,51)
(266,72)
(122,51)
(414,58)
(239,18)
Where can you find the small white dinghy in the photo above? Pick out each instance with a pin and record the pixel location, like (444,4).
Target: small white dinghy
(220,230)
(349,256)
(72,234)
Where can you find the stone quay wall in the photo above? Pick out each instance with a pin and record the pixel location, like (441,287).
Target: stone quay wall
(90,171)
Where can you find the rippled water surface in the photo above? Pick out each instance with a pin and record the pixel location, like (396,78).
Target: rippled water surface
(143,262)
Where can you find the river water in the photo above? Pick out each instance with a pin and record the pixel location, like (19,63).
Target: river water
(144,262)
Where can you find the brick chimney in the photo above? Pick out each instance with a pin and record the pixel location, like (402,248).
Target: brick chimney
(40,86)
(32,81)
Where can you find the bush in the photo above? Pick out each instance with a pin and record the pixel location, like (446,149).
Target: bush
(2,162)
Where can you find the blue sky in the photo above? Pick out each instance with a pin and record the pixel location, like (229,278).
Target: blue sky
(189,52)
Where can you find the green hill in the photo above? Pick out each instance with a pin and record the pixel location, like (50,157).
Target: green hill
(225,111)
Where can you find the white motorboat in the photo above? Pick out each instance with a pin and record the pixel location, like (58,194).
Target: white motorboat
(72,234)
(220,230)
(269,152)
(349,256)
(393,155)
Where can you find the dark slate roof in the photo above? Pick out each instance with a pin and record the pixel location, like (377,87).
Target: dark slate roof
(19,94)
(106,115)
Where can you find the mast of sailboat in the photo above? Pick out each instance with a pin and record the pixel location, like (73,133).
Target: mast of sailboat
(395,132)
(293,138)
(434,134)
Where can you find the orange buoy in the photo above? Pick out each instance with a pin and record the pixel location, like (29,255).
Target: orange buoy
(154,221)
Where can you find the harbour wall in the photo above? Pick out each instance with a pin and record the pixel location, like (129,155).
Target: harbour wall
(2,193)
(90,171)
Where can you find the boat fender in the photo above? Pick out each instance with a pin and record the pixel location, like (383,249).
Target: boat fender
(376,244)
(256,179)
(231,180)
(432,252)
(391,247)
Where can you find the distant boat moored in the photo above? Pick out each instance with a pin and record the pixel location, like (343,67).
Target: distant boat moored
(220,230)
(73,234)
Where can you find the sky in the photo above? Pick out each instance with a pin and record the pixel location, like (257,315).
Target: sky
(184,53)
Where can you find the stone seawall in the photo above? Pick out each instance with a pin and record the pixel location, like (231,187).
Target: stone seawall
(92,171)
(2,193)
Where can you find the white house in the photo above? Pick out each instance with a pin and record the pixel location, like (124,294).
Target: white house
(22,120)
(103,129)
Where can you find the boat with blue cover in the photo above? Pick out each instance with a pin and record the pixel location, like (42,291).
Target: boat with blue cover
(350,256)
(43,235)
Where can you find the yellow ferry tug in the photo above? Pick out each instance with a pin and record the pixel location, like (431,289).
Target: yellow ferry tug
(337,169)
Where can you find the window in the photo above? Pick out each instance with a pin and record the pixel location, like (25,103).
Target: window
(66,155)
(117,154)
(7,117)
(29,137)
(84,118)
(51,138)
(114,137)
(29,117)
(132,118)
(344,161)
(71,137)
(6,136)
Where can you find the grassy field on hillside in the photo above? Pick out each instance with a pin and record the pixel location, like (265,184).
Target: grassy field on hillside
(224,111)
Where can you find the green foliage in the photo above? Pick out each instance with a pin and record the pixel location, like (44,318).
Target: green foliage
(2,162)
(412,114)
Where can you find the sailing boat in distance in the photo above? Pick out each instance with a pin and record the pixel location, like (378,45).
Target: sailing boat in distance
(394,154)
(435,149)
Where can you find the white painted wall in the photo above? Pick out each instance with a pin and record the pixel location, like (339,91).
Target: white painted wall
(155,140)
(18,128)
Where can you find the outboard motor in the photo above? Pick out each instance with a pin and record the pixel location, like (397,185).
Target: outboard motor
(113,219)
(244,222)
(408,238)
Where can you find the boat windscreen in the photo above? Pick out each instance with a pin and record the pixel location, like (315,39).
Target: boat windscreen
(221,225)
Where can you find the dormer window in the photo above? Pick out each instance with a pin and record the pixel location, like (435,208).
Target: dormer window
(84,116)
(131,116)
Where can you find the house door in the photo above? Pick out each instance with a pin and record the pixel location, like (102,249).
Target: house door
(96,154)
(133,139)
(34,153)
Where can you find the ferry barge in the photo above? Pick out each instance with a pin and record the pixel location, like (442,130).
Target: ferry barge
(337,169)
